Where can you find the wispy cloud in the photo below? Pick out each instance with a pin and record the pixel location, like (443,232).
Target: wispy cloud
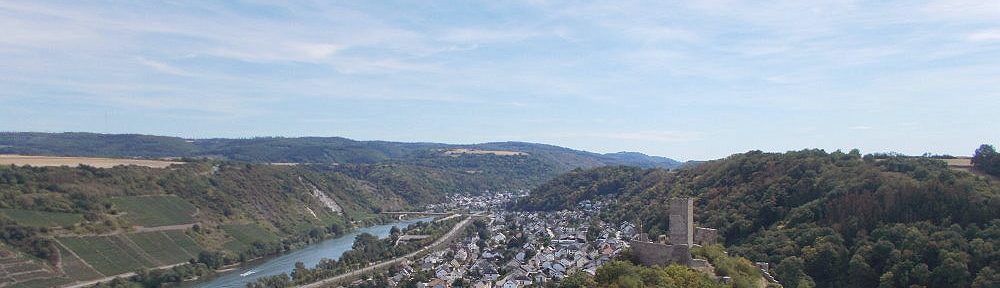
(479,35)
(163,67)
(985,35)
(704,65)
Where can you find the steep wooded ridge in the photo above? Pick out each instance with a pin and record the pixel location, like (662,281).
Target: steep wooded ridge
(825,219)
(299,150)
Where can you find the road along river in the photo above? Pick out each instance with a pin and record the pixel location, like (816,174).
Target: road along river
(309,255)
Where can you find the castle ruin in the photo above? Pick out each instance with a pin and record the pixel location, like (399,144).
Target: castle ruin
(675,249)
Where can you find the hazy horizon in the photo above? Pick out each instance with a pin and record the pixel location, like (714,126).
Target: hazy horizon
(688,81)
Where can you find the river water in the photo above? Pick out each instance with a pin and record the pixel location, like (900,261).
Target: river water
(309,255)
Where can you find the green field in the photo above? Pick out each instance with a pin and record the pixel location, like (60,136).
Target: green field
(245,235)
(118,254)
(41,218)
(151,211)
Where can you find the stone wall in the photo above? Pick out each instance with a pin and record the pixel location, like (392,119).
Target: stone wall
(653,254)
(705,236)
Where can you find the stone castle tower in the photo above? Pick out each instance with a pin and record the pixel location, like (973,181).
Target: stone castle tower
(681,215)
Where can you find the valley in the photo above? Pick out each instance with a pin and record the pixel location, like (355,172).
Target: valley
(524,220)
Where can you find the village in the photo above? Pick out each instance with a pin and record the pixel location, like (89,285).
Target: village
(517,249)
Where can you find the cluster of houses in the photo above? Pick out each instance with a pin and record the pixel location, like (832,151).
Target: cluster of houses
(483,202)
(521,249)
(529,249)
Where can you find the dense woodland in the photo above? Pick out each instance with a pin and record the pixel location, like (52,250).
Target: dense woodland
(824,219)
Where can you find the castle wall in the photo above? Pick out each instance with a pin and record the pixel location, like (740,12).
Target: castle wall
(705,236)
(653,254)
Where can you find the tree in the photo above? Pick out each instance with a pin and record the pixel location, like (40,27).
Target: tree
(951,273)
(986,278)
(887,280)
(276,281)
(791,272)
(987,160)
(300,273)
(578,280)
(625,274)
(214,260)
(860,274)
(984,155)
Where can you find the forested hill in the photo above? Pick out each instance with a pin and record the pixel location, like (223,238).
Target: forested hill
(829,219)
(302,149)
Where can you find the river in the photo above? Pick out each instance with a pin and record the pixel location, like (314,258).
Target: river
(309,255)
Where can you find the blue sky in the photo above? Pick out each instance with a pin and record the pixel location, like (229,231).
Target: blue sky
(693,80)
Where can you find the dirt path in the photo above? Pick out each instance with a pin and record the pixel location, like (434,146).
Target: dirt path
(112,277)
(384,264)
(77,257)
(164,228)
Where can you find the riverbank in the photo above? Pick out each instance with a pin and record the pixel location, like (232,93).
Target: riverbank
(309,255)
(346,277)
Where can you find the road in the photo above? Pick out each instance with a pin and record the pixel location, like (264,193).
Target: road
(112,277)
(416,213)
(385,264)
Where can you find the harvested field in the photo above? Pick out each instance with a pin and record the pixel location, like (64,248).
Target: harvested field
(959,162)
(482,152)
(53,161)
(965,164)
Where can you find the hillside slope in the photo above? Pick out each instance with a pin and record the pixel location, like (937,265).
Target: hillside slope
(829,219)
(104,222)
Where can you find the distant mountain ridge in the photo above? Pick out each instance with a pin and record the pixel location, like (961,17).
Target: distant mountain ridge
(298,149)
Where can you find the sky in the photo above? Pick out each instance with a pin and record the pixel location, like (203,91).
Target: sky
(690,80)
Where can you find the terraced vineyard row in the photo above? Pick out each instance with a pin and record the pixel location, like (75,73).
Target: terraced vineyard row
(21,271)
(123,253)
(151,211)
